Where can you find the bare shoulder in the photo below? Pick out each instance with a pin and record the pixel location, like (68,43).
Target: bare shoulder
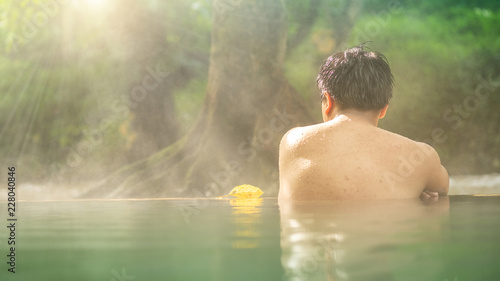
(397,137)
(292,138)
(438,178)
(423,155)
(428,150)
(298,136)
(423,158)
(418,147)
(433,161)
(295,144)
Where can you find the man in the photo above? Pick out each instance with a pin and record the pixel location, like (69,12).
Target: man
(348,156)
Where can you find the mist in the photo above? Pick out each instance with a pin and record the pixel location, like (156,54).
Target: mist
(128,99)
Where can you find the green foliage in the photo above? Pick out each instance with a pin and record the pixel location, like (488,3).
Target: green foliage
(301,69)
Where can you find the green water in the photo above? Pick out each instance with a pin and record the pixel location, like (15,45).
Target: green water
(456,238)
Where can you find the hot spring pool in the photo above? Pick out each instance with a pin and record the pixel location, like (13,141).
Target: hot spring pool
(456,238)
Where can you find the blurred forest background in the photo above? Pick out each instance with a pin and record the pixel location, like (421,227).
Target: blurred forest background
(146,98)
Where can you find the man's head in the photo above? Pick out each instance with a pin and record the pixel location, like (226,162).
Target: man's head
(357,79)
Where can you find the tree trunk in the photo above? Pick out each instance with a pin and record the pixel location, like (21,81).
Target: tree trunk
(248,107)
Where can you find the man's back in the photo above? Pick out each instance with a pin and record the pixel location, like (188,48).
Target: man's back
(349,158)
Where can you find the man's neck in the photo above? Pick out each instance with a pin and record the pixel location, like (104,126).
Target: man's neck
(367,117)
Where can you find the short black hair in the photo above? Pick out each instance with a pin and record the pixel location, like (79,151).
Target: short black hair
(357,79)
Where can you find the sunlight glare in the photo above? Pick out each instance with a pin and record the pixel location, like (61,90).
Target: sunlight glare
(95,4)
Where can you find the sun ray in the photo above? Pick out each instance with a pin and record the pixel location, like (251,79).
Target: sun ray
(20,97)
(38,97)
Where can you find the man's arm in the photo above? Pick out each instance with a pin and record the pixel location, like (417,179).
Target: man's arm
(438,179)
(289,142)
(284,192)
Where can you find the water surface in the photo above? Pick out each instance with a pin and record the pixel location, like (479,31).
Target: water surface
(455,238)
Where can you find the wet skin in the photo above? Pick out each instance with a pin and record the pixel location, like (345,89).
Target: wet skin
(349,157)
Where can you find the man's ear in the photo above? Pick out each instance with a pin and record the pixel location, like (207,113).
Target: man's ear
(383,112)
(330,104)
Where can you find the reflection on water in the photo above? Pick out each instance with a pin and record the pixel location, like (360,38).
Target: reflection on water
(355,240)
(455,238)
(149,239)
(246,219)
